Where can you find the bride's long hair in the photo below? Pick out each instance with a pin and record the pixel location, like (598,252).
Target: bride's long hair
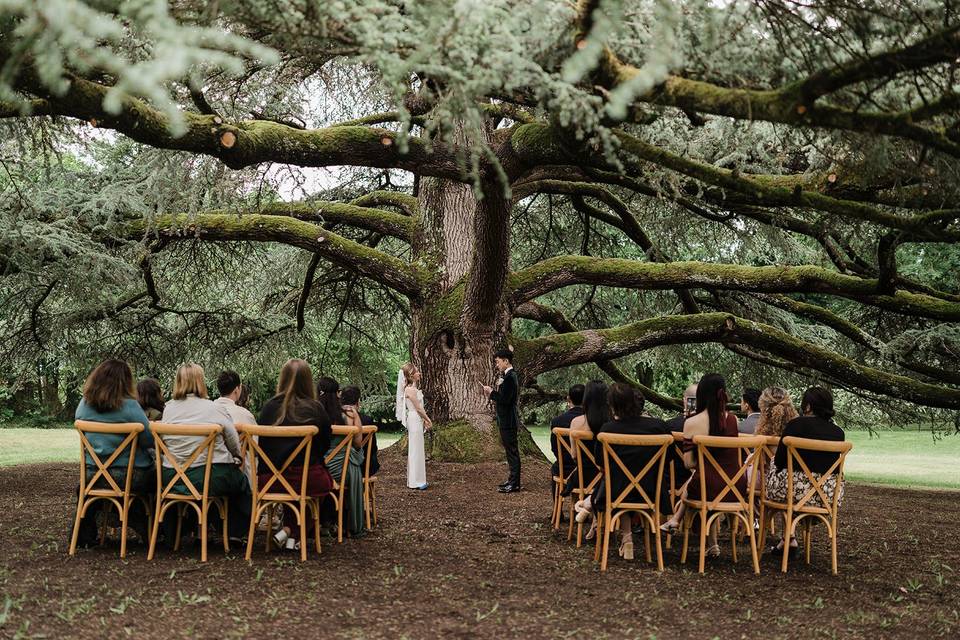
(408,370)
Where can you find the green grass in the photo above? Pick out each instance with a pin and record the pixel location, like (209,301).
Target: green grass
(894,458)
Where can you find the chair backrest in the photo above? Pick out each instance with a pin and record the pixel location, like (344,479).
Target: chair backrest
(746,447)
(207,435)
(584,456)
(129,443)
(561,435)
(369,434)
(634,480)
(794,445)
(254,435)
(348,432)
(676,490)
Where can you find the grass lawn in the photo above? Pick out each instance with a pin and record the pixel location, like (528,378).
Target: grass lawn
(896,458)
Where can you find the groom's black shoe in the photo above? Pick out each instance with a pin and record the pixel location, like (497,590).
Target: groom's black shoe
(510,488)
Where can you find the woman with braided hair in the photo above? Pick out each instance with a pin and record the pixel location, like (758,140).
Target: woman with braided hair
(776,410)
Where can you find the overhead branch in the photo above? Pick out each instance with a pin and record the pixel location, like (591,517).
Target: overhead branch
(405,202)
(249,142)
(353,256)
(556,319)
(561,350)
(318,211)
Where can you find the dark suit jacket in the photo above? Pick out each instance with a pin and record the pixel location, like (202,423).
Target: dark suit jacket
(505,398)
(563,420)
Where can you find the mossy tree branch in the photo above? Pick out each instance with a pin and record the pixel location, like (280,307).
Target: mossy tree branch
(555,351)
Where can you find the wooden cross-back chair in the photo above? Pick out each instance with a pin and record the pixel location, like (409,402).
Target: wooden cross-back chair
(119,497)
(197,499)
(729,501)
(339,484)
(583,454)
(763,459)
(616,507)
(561,436)
(369,481)
(277,489)
(675,490)
(803,510)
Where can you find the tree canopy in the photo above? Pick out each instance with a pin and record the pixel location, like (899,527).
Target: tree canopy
(654,188)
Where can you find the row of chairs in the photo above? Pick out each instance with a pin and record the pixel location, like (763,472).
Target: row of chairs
(755,454)
(276,491)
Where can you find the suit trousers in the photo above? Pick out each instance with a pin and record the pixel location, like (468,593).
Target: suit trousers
(509,439)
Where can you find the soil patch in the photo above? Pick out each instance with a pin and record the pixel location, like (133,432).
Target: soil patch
(462,561)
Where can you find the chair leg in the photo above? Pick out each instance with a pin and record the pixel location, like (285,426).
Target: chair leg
(733,521)
(571,519)
(176,543)
(751,538)
(225,514)
(252,530)
(123,526)
(606,544)
(316,523)
(596,539)
(686,536)
(76,526)
(155,530)
(646,539)
(269,526)
(303,530)
(204,507)
(703,542)
(832,532)
(808,537)
(787,530)
(658,542)
(340,507)
(373,502)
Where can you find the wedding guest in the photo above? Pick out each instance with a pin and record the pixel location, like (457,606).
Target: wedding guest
(150,397)
(328,394)
(574,410)
(689,408)
(295,404)
(816,423)
(109,396)
(244,399)
(230,389)
(190,405)
(750,405)
(626,408)
(711,418)
(350,399)
(596,413)
(776,410)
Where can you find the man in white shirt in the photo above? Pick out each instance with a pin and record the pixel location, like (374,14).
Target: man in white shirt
(228,384)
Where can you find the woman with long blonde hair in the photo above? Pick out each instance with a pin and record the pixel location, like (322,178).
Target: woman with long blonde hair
(413,416)
(776,410)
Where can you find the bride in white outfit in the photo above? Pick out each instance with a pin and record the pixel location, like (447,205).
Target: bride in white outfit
(411,414)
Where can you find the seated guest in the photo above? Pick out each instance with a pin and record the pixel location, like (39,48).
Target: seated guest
(350,399)
(816,423)
(190,405)
(626,407)
(776,410)
(596,413)
(712,418)
(109,396)
(328,392)
(574,410)
(150,397)
(689,408)
(230,389)
(243,400)
(750,405)
(294,405)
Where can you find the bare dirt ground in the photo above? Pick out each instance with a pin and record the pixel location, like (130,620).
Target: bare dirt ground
(462,561)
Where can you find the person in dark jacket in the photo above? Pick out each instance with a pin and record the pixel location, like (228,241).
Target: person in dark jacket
(505,397)
(296,405)
(574,409)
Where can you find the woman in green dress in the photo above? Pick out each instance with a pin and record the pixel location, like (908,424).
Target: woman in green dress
(328,391)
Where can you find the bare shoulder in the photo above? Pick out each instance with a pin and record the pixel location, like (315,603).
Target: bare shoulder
(410,392)
(578,423)
(696,425)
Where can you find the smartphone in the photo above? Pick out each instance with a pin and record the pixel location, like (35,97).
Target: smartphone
(690,405)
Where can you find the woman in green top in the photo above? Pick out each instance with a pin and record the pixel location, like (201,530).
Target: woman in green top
(329,396)
(109,396)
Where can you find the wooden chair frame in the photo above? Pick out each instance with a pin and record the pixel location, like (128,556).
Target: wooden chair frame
(339,486)
(264,499)
(619,506)
(369,482)
(200,501)
(675,492)
(796,512)
(120,498)
(738,509)
(562,437)
(581,450)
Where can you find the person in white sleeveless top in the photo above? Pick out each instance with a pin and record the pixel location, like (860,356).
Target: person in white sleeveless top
(411,414)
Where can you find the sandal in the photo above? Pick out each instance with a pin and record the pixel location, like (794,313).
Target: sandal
(626,548)
(582,512)
(670,529)
(714,551)
(592,533)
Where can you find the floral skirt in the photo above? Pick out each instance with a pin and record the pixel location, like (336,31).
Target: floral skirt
(777,487)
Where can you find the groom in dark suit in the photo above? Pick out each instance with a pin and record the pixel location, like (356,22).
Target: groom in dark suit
(505,396)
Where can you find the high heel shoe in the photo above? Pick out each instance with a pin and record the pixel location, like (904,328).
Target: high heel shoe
(714,551)
(582,511)
(626,549)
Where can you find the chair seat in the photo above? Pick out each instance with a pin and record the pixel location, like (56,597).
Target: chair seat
(282,497)
(105,493)
(726,507)
(370,479)
(807,508)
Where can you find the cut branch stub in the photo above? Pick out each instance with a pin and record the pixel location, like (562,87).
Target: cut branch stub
(228,139)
